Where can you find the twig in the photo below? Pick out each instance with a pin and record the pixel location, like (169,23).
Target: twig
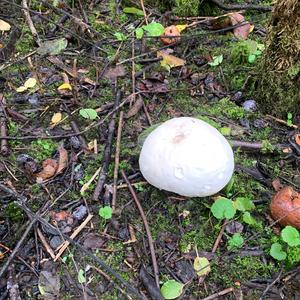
(17,248)
(216,295)
(241,6)
(4,150)
(65,245)
(107,151)
(147,114)
(217,242)
(144,11)
(146,225)
(282,122)
(29,21)
(271,285)
(117,159)
(45,243)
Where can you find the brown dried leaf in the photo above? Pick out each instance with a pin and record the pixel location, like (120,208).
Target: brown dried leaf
(114,72)
(63,159)
(49,170)
(243,31)
(171,31)
(61,216)
(136,107)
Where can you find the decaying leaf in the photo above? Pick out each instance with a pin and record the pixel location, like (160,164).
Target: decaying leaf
(171,35)
(56,118)
(114,72)
(170,61)
(63,159)
(4,26)
(49,170)
(65,86)
(52,47)
(49,285)
(202,266)
(136,107)
(62,215)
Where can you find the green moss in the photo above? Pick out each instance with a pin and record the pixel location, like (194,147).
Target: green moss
(13,212)
(42,149)
(293,256)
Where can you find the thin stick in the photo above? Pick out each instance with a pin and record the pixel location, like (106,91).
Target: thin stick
(282,122)
(73,235)
(222,293)
(146,225)
(271,285)
(117,160)
(16,249)
(217,242)
(107,152)
(45,243)
(4,149)
(144,11)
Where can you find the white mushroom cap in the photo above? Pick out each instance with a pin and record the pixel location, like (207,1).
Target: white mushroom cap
(187,156)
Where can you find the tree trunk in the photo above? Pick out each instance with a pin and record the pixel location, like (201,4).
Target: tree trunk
(279,82)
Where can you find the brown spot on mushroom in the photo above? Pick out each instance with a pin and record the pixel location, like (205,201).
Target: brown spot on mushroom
(285,207)
(178,138)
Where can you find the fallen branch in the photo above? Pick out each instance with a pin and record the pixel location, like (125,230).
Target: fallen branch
(4,150)
(147,228)
(216,295)
(107,151)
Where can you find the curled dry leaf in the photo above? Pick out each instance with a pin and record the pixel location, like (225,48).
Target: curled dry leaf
(136,107)
(62,215)
(171,35)
(63,159)
(49,169)
(285,207)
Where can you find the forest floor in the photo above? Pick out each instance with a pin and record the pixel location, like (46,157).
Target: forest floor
(87,76)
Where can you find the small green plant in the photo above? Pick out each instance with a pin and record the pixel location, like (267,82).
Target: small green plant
(153,29)
(246,51)
(289,120)
(291,237)
(81,278)
(88,113)
(105,212)
(120,36)
(235,242)
(223,208)
(217,60)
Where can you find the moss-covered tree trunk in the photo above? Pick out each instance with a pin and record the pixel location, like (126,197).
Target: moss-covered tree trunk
(279,82)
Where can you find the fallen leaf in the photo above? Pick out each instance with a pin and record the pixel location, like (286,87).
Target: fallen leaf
(93,241)
(63,159)
(53,47)
(30,83)
(62,215)
(170,35)
(49,285)
(4,26)
(181,27)
(49,170)
(170,61)
(202,266)
(277,185)
(136,107)
(56,118)
(21,89)
(297,139)
(114,72)
(243,31)
(65,86)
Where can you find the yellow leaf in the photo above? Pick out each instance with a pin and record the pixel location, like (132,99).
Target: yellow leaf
(21,89)
(56,118)
(181,27)
(4,26)
(30,83)
(170,61)
(201,266)
(65,86)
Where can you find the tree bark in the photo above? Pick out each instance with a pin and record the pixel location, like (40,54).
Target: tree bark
(278,89)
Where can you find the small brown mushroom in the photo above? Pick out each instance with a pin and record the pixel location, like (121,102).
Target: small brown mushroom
(170,32)
(285,207)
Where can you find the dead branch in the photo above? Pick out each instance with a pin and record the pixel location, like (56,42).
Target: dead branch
(107,151)
(4,149)
(147,228)
(241,6)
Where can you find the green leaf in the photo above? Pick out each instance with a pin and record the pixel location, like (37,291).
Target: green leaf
(228,187)
(105,212)
(120,36)
(171,289)
(88,113)
(223,209)
(248,219)
(154,29)
(251,58)
(201,266)
(217,60)
(291,236)
(139,32)
(236,241)
(289,116)
(53,47)
(81,277)
(133,10)
(225,131)
(243,204)
(277,252)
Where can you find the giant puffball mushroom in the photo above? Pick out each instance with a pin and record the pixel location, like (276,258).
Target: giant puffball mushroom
(285,207)
(187,156)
